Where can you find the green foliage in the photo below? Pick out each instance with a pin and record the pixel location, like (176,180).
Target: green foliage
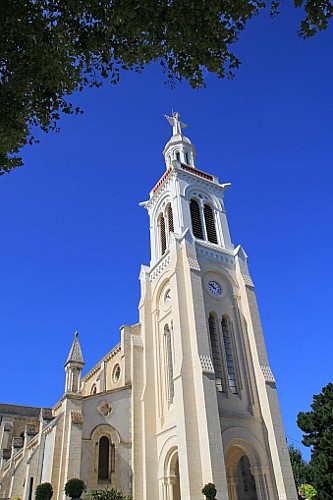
(308,491)
(209,491)
(43,491)
(50,49)
(108,493)
(301,469)
(74,487)
(318,428)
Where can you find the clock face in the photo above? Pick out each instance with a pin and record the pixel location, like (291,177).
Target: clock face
(167,297)
(214,288)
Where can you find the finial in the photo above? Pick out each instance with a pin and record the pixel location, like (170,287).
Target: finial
(175,123)
(76,334)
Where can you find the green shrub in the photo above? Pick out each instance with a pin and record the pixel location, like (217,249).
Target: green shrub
(43,491)
(109,493)
(74,487)
(209,491)
(308,491)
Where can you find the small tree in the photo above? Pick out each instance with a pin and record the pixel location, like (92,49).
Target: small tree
(74,487)
(109,493)
(44,491)
(209,491)
(301,469)
(317,426)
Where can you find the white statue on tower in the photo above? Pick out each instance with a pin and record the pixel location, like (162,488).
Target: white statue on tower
(175,123)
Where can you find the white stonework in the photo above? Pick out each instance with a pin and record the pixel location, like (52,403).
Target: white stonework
(187,397)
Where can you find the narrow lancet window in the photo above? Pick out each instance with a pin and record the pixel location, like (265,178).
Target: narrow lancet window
(103,458)
(210,224)
(196,219)
(170,218)
(162,234)
(167,333)
(229,355)
(215,345)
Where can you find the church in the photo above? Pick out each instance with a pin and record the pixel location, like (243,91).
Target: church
(187,396)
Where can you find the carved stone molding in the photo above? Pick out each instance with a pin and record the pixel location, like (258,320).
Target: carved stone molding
(206,364)
(247,279)
(77,417)
(160,267)
(268,374)
(137,341)
(104,408)
(194,264)
(234,413)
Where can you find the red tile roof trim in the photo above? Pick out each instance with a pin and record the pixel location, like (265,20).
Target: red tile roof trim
(197,172)
(160,182)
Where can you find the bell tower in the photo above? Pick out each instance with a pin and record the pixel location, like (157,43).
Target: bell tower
(209,410)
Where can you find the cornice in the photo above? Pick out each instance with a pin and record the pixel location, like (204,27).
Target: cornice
(97,367)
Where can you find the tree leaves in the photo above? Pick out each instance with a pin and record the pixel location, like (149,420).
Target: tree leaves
(52,48)
(318,427)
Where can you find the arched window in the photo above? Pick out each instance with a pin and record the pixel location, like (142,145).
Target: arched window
(162,234)
(103,458)
(170,218)
(210,224)
(93,389)
(216,348)
(177,155)
(168,344)
(196,219)
(186,157)
(229,355)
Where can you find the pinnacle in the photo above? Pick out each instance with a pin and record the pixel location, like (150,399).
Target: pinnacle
(75,353)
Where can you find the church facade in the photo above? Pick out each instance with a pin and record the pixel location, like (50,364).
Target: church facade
(187,397)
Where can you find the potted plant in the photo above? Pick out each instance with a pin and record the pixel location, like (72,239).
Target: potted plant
(209,491)
(109,493)
(44,491)
(307,491)
(74,487)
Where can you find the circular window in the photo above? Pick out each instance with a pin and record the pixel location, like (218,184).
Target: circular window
(116,374)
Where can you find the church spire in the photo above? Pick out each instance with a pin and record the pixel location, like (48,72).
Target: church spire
(73,366)
(75,354)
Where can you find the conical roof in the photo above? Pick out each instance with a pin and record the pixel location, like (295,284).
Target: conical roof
(75,353)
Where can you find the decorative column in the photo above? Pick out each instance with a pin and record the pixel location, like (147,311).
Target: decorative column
(260,481)
(232,488)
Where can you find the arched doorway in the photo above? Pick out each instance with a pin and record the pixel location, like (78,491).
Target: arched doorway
(171,476)
(241,483)
(246,488)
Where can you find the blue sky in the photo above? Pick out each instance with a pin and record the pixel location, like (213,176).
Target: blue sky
(73,236)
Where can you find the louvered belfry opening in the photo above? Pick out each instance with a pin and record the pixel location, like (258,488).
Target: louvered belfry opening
(170,218)
(103,458)
(162,234)
(215,344)
(210,224)
(229,355)
(196,220)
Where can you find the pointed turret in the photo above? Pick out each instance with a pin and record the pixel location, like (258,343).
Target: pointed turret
(73,366)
